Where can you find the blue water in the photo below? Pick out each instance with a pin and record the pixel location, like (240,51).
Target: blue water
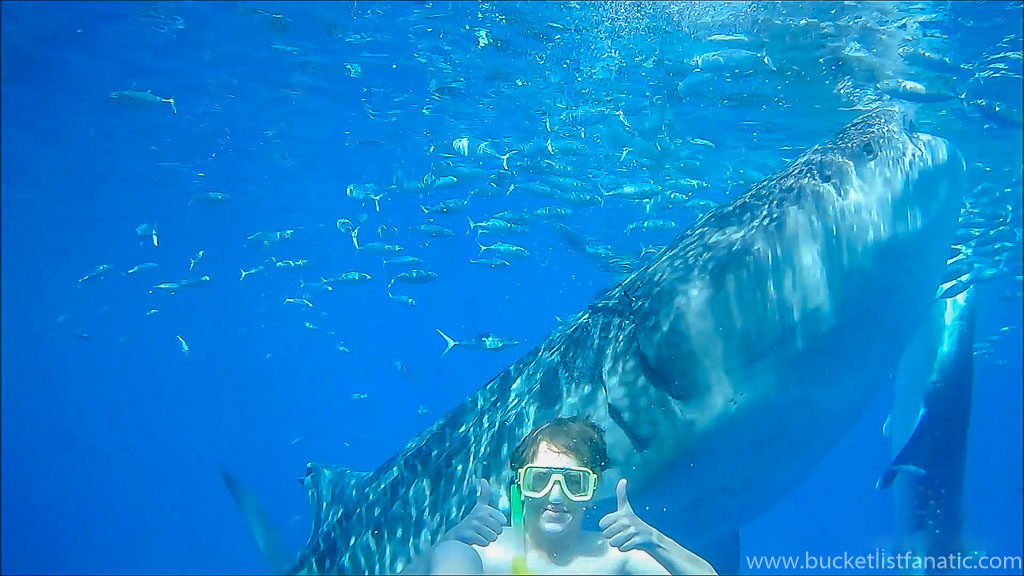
(112,443)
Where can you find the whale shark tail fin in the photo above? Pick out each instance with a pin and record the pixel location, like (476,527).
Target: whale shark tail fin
(451,343)
(268,537)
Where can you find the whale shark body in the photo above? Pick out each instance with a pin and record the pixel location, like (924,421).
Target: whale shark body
(725,368)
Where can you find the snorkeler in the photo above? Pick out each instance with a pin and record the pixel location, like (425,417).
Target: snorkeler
(557,468)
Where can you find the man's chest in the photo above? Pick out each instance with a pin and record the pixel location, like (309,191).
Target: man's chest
(583,565)
(498,557)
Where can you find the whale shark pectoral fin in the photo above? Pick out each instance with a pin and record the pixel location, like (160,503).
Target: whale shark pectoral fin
(268,536)
(910,457)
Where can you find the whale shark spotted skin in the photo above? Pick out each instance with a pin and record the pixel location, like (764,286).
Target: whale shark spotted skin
(726,367)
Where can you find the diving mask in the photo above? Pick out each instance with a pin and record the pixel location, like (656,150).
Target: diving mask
(578,483)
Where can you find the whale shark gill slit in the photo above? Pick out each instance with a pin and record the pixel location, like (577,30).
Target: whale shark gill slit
(639,442)
(658,378)
(550,387)
(624,305)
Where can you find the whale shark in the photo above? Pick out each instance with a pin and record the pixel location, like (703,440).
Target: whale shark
(724,369)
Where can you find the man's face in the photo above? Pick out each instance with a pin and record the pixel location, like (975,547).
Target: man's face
(553,515)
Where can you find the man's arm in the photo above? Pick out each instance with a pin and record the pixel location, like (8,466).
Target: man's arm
(647,550)
(666,556)
(453,557)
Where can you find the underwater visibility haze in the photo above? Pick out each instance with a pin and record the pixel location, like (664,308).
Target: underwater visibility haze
(773,249)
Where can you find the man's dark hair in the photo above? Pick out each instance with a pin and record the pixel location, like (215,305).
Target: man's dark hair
(576,436)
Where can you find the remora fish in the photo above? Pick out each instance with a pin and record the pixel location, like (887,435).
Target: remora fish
(753,320)
(928,429)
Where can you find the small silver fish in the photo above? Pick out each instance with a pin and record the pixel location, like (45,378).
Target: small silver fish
(171,287)
(147,231)
(193,260)
(97,272)
(142,267)
(402,298)
(415,276)
(146,96)
(184,346)
(255,270)
(210,198)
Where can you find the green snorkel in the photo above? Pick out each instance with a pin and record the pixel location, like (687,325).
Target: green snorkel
(516,508)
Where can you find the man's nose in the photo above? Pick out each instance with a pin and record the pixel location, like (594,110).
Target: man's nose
(556,493)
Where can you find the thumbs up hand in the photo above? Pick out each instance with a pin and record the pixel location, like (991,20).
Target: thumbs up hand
(623,528)
(483,523)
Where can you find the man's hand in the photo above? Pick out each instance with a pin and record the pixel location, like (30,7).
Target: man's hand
(483,523)
(623,528)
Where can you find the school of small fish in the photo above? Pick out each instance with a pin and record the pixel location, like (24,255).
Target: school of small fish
(594,128)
